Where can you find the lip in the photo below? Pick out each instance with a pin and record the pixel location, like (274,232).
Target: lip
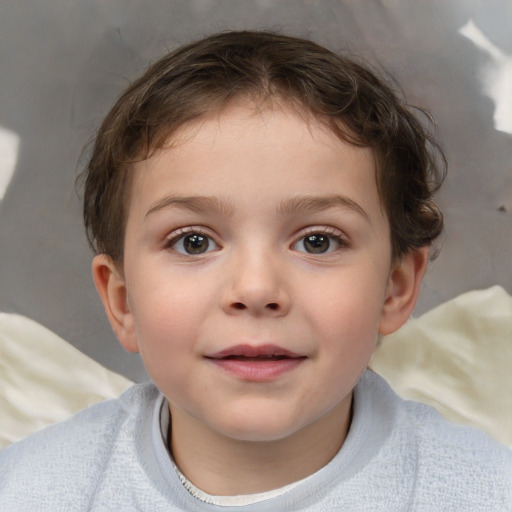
(258,363)
(253,351)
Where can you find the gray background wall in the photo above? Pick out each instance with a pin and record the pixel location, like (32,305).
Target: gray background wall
(63,62)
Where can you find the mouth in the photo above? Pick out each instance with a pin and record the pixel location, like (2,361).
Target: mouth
(256,363)
(272,357)
(255,353)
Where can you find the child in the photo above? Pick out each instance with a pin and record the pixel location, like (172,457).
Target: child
(261,211)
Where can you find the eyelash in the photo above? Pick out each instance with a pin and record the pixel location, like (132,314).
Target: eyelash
(182,233)
(330,233)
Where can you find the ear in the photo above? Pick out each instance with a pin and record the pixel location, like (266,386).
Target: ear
(111,286)
(403,289)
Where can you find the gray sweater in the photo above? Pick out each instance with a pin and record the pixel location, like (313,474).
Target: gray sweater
(398,456)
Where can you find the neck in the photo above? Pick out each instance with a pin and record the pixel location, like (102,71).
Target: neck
(223,466)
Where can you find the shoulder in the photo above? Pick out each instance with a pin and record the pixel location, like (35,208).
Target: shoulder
(459,460)
(440,438)
(457,465)
(70,455)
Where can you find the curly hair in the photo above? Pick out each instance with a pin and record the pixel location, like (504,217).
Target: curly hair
(204,76)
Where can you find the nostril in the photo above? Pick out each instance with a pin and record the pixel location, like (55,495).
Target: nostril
(240,306)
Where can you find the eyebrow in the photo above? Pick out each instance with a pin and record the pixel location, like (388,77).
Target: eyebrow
(311,204)
(289,206)
(197,204)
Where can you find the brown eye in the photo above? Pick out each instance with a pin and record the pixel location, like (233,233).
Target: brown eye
(316,243)
(192,243)
(195,244)
(319,243)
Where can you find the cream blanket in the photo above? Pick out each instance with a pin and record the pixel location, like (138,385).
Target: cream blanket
(458,359)
(44,379)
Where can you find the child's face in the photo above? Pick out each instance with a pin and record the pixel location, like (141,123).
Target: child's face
(258,272)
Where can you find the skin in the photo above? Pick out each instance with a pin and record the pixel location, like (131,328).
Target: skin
(254,183)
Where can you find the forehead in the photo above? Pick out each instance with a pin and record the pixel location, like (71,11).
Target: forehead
(246,149)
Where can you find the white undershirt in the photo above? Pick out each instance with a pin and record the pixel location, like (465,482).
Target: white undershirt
(246,499)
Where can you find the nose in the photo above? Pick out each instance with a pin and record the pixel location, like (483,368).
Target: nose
(257,286)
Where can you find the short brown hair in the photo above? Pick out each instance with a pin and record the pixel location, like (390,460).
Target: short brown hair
(205,75)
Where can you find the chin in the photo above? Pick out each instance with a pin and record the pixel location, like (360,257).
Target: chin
(258,431)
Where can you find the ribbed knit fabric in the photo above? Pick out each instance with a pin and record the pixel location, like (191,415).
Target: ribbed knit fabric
(398,456)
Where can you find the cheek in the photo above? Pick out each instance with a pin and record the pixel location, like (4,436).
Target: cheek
(166,319)
(166,339)
(348,304)
(164,298)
